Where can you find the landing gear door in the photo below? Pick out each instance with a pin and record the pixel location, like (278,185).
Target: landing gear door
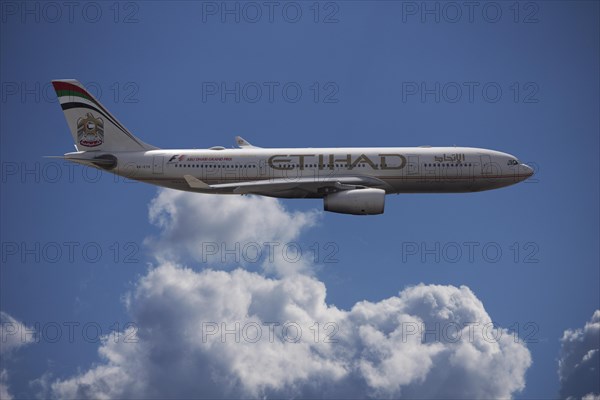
(157,164)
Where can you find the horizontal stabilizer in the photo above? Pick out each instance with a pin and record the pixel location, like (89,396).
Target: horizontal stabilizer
(97,161)
(106,161)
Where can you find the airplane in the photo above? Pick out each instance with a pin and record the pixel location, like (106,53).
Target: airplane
(349,180)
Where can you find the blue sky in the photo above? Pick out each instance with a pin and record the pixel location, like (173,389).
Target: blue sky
(379,73)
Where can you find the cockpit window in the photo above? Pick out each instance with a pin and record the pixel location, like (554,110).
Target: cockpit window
(513,162)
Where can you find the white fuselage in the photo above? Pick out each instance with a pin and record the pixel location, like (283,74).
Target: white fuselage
(396,169)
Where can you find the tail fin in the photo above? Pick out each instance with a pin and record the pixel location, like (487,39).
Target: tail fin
(92,126)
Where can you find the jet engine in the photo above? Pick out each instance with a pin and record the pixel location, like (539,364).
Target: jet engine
(366,201)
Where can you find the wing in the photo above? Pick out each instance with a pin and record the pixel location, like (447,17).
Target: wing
(309,186)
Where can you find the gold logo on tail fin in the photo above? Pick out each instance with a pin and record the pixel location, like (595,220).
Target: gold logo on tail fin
(90,131)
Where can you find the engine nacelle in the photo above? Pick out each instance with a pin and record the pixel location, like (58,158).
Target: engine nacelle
(356,201)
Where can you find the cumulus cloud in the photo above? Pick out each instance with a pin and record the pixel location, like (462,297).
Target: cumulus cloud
(4,393)
(226,229)
(13,334)
(591,396)
(238,333)
(579,363)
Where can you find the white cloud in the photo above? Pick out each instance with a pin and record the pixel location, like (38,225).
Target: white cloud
(379,352)
(13,334)
(579,363)
(220,333)
(212,228)
(4,394)
(591,396)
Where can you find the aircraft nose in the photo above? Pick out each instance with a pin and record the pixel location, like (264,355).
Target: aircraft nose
(526,170)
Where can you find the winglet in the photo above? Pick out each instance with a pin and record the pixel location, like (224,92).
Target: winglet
(244,144)
(196,183)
